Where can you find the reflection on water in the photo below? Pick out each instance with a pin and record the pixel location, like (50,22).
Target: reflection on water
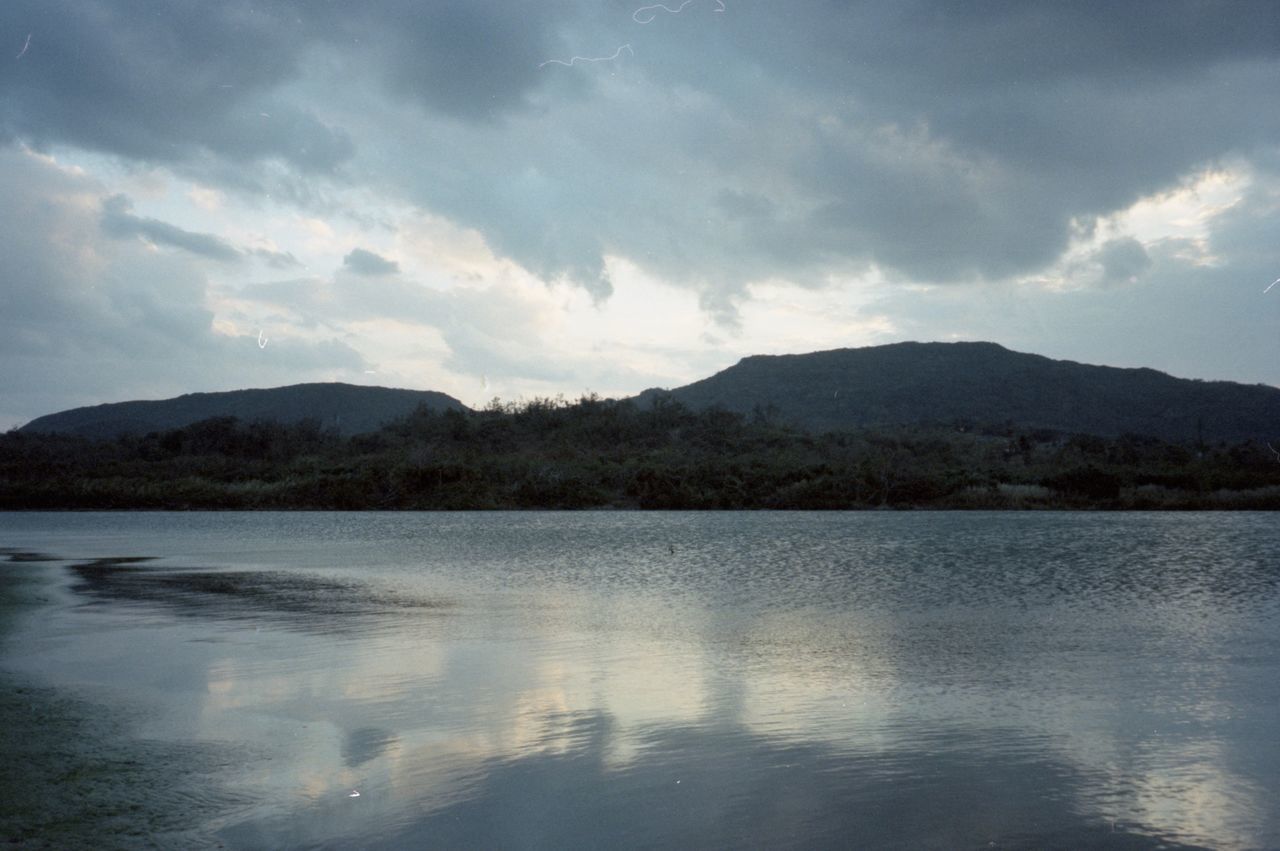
(707,680)
(282,598)
(731,788)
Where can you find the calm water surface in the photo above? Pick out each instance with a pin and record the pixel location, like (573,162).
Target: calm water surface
(557,680)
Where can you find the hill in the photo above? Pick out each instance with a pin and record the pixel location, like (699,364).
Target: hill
(349,408)
(982,384)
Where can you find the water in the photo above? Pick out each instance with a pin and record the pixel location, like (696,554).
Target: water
(558,680)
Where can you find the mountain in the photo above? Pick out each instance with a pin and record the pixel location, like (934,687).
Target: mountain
(350,408)
(900,384)
(982,383)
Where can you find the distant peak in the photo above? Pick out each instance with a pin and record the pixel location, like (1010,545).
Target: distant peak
(882,347)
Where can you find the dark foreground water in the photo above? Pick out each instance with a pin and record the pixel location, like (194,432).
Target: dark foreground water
(871,680)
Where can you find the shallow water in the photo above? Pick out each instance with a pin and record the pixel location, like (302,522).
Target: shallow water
(872,680)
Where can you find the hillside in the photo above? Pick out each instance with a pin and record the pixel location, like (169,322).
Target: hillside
(982,383)
(349,408)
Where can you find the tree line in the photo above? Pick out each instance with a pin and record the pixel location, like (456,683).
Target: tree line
(596,453)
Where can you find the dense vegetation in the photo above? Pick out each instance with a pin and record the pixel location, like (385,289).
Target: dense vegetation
(599,453)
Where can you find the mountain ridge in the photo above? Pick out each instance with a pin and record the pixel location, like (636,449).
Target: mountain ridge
(957,384)
(914,383)
(349,408)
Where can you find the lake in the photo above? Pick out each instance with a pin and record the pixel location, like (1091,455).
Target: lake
(624,679)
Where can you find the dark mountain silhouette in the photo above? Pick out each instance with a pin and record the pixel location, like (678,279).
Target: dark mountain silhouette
(349,408)
(965,384)
(982,384)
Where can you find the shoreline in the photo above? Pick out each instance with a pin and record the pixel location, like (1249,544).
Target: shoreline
(1259,499)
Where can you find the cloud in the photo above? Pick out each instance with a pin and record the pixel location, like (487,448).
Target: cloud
(164,83)
(817,148)
(831,139)
(935,142)
(363,262)
(467,59)
(161,83)
(503,330)
(85,319)
(119,221)
(1123,259)
(275,259)
(1179,314)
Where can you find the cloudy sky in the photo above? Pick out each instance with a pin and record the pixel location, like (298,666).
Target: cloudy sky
(529,197)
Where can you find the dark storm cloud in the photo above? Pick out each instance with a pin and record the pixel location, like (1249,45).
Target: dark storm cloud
(1123,260)
(165,81)
(934,140)
(119,221)
(363,262)
(470,59)
(944,142)
(159,81)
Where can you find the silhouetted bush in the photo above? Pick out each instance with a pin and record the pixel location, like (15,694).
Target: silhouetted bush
(1088,482)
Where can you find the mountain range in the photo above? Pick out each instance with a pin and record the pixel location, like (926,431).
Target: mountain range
(890,385)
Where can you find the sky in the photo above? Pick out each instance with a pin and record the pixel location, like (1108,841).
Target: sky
(525,198)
